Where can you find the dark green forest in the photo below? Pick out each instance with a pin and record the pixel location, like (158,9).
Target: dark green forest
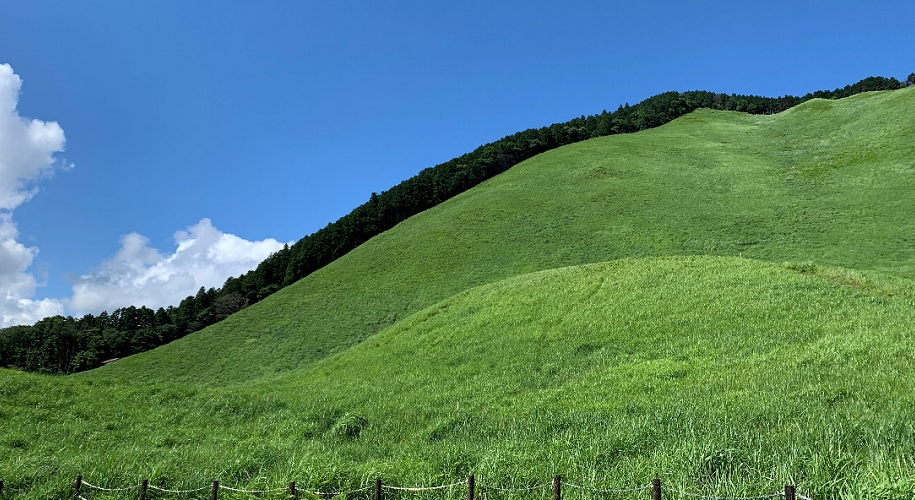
(66,344)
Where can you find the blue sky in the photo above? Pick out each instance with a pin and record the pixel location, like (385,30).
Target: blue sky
(199,136)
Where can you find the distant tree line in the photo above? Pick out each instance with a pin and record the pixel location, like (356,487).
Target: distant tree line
(65,345)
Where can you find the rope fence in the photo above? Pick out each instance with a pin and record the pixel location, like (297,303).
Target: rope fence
(94,487)
(657,490)
(709,497)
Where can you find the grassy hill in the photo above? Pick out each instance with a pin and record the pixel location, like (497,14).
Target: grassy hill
(725,302)
(826,182)
(721,375)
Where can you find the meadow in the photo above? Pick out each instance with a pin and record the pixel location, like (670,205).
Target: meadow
(826,182)
(725,302)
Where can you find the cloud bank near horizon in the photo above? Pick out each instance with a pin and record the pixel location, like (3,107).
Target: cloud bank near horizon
(140,275)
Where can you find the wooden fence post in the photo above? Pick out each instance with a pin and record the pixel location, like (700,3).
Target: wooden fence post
(143,486)
(214,495)
(78,486)
(378,489)
(656,489)
(557,487)
(789,492)
(291,489)
(470,485)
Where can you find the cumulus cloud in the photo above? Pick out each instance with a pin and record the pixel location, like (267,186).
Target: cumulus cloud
(136,275)
(16,304)
(27,149)
(141,275)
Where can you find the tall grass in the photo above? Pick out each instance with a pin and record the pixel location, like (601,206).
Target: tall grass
(720,375)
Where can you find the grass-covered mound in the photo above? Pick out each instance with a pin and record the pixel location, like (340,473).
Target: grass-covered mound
(827,182)
(720,375)
(460,341)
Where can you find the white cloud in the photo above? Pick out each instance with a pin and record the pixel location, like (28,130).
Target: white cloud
(137,274)
(141,275)
(16,304)
(27,149)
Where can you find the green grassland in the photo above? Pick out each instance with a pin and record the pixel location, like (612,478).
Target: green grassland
(722,375)
(725,302)
(827,182)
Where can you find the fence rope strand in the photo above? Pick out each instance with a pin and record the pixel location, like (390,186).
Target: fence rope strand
(178,492)
(250,492)
(516,490)
(333,493)
(713,497)
(802,497)
(599,490)
(94,487)
(422,488)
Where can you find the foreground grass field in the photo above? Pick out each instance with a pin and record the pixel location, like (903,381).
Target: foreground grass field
(611,311)
(720,375)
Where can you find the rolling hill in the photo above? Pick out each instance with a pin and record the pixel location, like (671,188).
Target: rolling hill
(725,302)
(722,375)
(826,182)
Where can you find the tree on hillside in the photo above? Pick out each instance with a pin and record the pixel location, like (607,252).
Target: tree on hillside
(228,304)
(910,80)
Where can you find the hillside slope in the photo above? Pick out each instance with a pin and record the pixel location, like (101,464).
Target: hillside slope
(722,375)
(826,182)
